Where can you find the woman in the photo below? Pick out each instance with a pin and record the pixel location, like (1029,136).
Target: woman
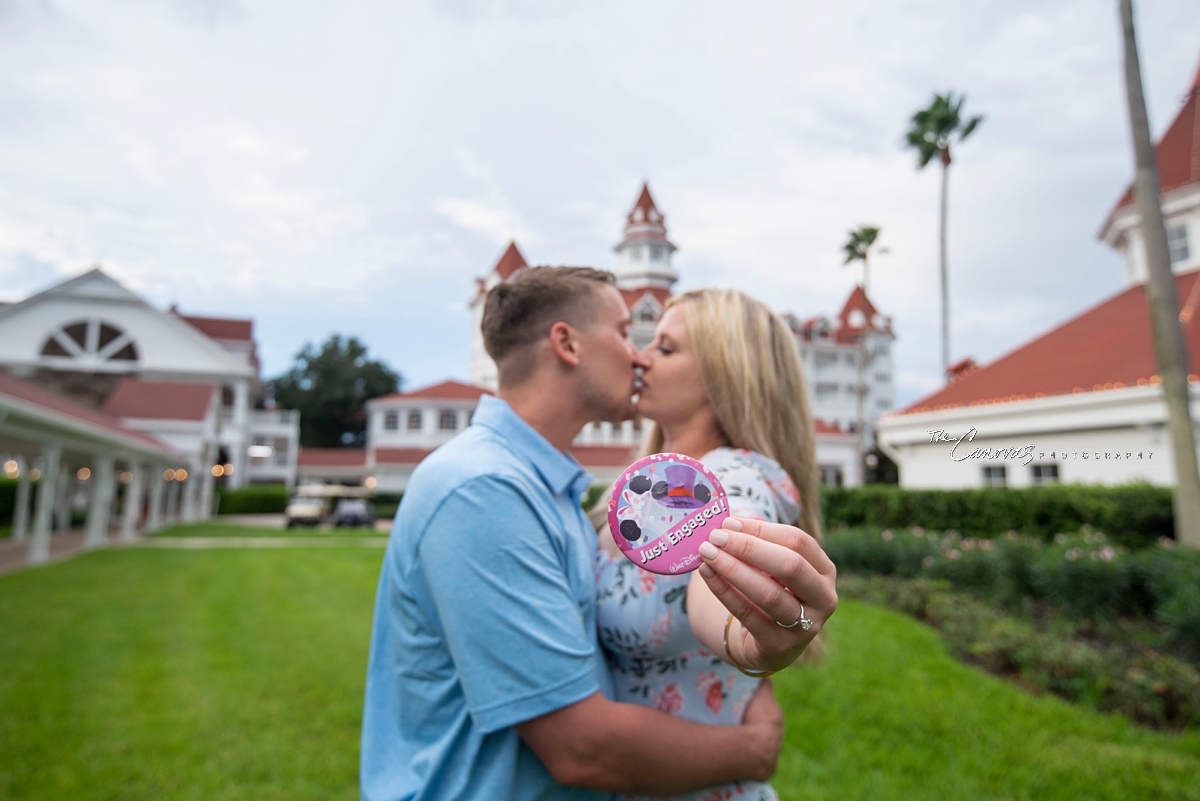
(723,384)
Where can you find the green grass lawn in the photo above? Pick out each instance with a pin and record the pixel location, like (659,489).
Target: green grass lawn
(237,674)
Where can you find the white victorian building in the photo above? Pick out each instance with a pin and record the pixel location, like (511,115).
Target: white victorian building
(1082,402)
(189,384)
(405,427)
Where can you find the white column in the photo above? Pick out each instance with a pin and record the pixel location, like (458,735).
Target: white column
(21,512)
(39,546)
(205,488)
(158,486)
(62,500)
(175,503)
(100,502)
(132,503)
(241,435)
(189,490)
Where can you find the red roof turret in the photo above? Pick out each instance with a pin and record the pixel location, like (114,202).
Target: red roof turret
(1178,152)
(510,262)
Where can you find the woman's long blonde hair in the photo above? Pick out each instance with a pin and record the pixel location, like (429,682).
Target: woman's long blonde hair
(750,371)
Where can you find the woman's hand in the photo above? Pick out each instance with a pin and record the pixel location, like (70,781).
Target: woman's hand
(776,581)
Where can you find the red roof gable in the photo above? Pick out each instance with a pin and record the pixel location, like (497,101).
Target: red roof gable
(446,390)
(401,455)
(858,301)
(633,296)
(821,427)
(1178,152)
(160,400)
(841,331)
(1106,347)
(645,203)
(221,327)
(510,262)
(332,457)
(646,217)
(605,455)
(32,393)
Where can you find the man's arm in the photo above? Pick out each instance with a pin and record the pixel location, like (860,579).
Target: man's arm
(605,745)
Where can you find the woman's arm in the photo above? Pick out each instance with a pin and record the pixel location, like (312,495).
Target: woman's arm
(761,573)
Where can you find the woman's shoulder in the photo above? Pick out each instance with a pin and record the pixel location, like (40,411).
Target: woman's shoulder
(756,484)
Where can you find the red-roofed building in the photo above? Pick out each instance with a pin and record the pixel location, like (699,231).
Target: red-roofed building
(1083,401)
(404,427)
(190,380)
(81,457)
(1178,156)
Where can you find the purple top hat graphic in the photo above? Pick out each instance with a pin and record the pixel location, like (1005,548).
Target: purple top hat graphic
(681,490)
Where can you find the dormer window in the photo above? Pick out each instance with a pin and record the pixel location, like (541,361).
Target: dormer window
(90,341)
(1177,244)
(646,312)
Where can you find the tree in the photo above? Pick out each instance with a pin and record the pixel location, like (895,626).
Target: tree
(858,248)
(931,133)
(1169,349)
(330,387)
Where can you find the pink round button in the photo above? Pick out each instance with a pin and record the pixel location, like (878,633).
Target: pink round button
(662,508)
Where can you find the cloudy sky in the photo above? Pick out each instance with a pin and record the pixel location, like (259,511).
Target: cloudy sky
(352,166)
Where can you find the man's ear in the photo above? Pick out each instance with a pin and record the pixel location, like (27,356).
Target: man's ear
(563,343)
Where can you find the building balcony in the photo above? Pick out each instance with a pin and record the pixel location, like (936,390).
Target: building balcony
(261,421)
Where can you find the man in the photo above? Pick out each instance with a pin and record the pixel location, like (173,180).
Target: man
(485,678)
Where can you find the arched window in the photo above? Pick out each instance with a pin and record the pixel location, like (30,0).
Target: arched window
(91,341)
(646,313)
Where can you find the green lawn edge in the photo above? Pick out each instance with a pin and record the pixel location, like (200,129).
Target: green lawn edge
(238,674)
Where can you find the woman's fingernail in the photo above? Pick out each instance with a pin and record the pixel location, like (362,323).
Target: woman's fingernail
(708,551)
(707,571)
(733,524)
(718,538)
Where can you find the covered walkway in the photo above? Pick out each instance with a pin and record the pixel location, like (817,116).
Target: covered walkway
(51,444)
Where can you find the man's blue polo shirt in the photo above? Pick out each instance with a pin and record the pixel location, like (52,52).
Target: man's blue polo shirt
(485,618)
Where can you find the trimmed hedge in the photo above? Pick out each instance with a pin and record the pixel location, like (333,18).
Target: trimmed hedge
(1134,515)
(252,500)
(385,504)
(8,500)
(1082,576)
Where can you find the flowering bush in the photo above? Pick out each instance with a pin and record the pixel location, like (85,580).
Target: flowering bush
(1084,575)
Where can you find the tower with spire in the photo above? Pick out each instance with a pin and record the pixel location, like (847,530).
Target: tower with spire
(644,273)
(644,255)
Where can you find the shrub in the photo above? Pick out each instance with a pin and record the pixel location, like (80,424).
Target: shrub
(8,500)
(385,504)
(1134,515)
(1082,576)
(254,499)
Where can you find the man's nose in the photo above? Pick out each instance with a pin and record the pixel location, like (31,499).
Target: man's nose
(639,357)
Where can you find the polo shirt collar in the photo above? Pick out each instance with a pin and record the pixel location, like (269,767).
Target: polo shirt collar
(561,472)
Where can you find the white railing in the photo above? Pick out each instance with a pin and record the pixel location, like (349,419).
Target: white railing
(263,418)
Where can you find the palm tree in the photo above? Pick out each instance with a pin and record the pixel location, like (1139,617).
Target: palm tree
(931,133)
(1169,349)
(858,248)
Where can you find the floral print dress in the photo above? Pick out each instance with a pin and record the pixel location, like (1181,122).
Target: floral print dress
(655,659)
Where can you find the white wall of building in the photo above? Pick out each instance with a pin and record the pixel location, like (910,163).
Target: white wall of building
(1103,437)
